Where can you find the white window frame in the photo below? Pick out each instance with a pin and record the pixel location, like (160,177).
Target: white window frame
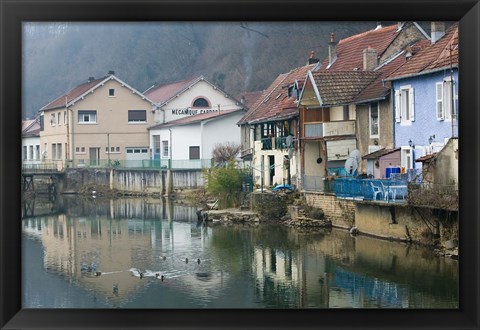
(406,157)
(165,149)
(135,122)
(110,90)
(401,107)
(92,117)
(52,119)
(370,121)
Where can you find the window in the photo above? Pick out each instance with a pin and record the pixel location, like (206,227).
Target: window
(24,152)
(448,99)
(59,119)
(374,120)
(117,149)
(439,101)
(52,119)
(156,145)
(268,130)
(201,103)
(54,151)
(194,152)
(346,112)
(165,148)
(59,151)
(65,117)
(79,150)
(87,117)
(111,92)
(37,152)
(404,105)
(406,157)
(30,154)
(137,116)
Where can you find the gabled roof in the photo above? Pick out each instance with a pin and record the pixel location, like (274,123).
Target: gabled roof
(379,153)
(350,50)
(82,90)
(432,58)
(274,103)
(195,118)
(30,128)
(340,87)
(164,93)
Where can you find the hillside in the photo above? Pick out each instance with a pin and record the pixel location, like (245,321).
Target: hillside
(238,57)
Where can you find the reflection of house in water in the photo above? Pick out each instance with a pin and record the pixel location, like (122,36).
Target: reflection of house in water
(104,240)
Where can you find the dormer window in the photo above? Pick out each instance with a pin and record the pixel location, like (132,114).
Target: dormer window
(201,103)
(293,91)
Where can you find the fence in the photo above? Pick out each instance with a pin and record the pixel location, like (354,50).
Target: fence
(144,164)
(372,189)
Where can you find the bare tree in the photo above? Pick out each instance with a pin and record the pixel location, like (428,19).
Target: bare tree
(222,153)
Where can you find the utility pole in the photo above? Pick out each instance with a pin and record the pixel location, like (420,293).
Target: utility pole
(108,148)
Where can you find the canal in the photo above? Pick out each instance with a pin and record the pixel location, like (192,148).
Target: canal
(132,253)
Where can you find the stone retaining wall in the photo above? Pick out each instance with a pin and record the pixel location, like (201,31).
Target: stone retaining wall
(339,211)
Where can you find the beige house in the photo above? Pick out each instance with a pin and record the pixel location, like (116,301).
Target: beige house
(102,120)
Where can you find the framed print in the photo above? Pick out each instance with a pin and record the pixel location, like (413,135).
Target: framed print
(239,165)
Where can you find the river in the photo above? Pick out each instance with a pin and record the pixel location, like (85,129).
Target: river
(94,253)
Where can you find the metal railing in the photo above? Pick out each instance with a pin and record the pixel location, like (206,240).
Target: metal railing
(372,189)
(153,164)
(272,143)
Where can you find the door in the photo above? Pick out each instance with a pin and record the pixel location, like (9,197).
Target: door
(271,160)
(94,156)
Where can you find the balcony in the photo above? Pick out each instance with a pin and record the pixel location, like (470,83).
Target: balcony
(276,143)
(328,129)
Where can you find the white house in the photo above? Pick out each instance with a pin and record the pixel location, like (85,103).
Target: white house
(188,142)
(31,142)
(189,97)
(190,118)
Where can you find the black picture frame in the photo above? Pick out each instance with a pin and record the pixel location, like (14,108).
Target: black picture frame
(13,12)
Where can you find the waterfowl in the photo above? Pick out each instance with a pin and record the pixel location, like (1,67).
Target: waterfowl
(98,273)
(186,260)
(141,275)
(198,260)
(163,257)
(157,275)
(162,278)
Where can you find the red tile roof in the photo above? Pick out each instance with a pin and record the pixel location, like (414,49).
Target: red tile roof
(164,92)
(341,87)
(274,103)
(350,50)
(249,98)
(195,118)
(434,56)
(71,95)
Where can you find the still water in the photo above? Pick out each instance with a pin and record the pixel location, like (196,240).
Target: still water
(87,253)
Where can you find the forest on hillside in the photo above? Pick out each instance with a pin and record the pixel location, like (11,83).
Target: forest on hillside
(236,56)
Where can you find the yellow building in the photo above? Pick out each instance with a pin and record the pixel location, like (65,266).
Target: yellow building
(98,121)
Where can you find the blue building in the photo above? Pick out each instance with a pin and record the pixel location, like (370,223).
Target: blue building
(425,93)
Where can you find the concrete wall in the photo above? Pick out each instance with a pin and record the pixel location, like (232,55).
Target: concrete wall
(399,222)
(130,180)
(340,212)
(402,222)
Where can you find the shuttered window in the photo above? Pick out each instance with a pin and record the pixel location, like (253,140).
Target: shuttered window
(135,116)
(195,152)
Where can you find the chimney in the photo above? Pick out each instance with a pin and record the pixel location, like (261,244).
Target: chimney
(332,50)
(370,59)
(312,58)
(111,72)
(90,79)
(438,31)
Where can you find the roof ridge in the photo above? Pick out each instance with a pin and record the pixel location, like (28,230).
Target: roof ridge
(356,36)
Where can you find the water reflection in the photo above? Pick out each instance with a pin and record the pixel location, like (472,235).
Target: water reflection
(132,253)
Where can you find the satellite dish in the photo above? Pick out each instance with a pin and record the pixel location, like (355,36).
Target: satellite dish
(351,165)
(355,154)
